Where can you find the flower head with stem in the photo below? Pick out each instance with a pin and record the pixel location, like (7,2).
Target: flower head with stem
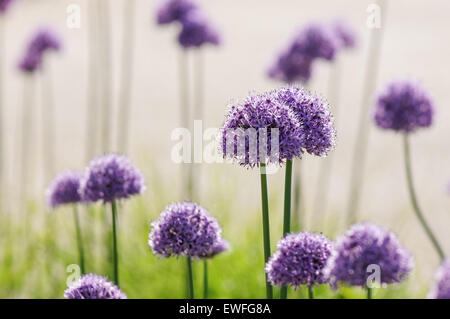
(93,286)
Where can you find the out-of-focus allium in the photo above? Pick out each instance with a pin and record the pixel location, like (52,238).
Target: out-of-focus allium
(299,260)
(404,107)
(111,177)
(93,286)
(174,10)
(291,67)
(196,31)
(30,63)
(65,189)
(316,41)
(314,115)
(261,129)
(4,5)
(346,36)
(220,246)
(441,289)
(185,229)
(364,245)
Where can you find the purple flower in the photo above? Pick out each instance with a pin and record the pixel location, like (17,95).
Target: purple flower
(246,135)
(299,260)
(291,67)
(65,189)
(315,41)
(4,5)
(441,289)
(344,33)
(196,31)
(403,107)
(365,246)
(219,247)
(111,177)
(92,286)
(186,229)
(313,113)
(174,10)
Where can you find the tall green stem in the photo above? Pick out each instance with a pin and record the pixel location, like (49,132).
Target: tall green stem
(76,218)
(415,204)
(115,251)
(265,221)
(369,293)
(287,212)
(190,278)
(310,292)
(205,279)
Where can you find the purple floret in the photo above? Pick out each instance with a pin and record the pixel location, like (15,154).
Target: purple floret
(4,5)
(196,31)
(299,260)
(111,177)
(441,289)
(92,286)
(174,10)
(65,189)
(365,245)
(403,106)
(186,229)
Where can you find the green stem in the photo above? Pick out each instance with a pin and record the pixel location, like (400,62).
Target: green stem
(115,252)
(310,293)
(414,201)
(205,279)
(287,212)
(79,238)
(297,207)
(265,221)
(190,278)
(369,293)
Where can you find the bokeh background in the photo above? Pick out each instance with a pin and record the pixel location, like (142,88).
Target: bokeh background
(414,47)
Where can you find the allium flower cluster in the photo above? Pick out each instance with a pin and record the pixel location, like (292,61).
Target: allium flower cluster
(299,260)
(4,5)
(111,177)
(441,289)
(291,66)
(365,245)
(186,229)
(92,286)
(403,107)
(174,10)
(344,34)
(65,189)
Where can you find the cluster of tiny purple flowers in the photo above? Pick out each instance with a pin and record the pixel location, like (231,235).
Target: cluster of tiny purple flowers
(64,189)
(441,289)
(93,286)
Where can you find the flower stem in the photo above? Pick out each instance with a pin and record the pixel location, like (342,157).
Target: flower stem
(205,279)
(115,252)
(190,278)
(287,212)
(310,292)
(297,209)
(414,201)
(79,238)
(369,293)
(265,221)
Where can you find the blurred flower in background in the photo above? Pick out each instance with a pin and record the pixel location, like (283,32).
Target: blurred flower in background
(441,289)
(93,286)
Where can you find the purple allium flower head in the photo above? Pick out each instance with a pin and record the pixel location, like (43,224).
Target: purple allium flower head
(174,10)
(196,31)
(314,115)
(246,135)
(403,106)
(299,260)
(315,41)
(363,245)
(219,247)
(185,229)
(93,286)
(441,289)
(111,177)
(291,67)
(346,36)
(4,5)
(64,189)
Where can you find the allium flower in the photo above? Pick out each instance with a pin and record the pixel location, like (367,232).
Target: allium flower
(196,30)
(441,289)
(185,229)
(315,41)
(291,67)
(219,247)
(363,245)
(313,113)
(403,107)
(299,260)
(246,135)
(111,177)
(92,286)
(174,10)
(65,189)
(345,34)
(4,5)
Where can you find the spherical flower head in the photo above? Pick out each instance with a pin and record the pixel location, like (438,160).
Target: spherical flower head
(299,260)
(365,245)
(441,289)
(196,31)
(185,229)
(4,5)
(111,177)
(345,35)
(403,106)
(92,286)
(261,129)
(316,41)
(290,67)
(64,189)
(313,113)
(174,10)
